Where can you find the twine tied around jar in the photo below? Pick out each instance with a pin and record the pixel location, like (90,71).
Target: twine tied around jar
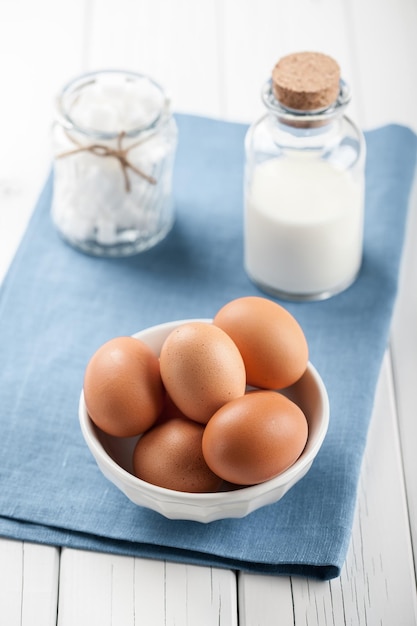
(119,153)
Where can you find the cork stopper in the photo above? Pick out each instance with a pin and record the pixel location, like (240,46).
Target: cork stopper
(306,81)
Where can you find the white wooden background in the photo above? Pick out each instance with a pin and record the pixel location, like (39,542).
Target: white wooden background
(212,56)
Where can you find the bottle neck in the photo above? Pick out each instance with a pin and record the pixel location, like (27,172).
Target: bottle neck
(309,119)
(307,138)
(307,130)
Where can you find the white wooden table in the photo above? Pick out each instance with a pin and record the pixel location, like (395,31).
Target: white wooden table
(213,56)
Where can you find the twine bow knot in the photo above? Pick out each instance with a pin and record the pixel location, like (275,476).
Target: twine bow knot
(119,153)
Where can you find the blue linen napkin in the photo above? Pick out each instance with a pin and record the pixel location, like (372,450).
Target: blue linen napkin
(57,306)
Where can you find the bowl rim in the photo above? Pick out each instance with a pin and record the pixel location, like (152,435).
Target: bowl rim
(206,498)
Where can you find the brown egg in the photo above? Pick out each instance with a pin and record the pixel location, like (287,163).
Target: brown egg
(254,438)
(201,369)
(123,390)
(170,455)
(269,338)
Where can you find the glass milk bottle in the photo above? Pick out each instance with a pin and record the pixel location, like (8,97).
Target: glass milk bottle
(114,146)
(304,183)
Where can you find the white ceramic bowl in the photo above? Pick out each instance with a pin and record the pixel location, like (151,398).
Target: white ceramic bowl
(113,455)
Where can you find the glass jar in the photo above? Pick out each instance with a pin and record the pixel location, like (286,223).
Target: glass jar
(114,141)
(304,199)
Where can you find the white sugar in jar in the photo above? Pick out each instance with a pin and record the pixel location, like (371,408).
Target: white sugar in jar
(304,184)
(114,143)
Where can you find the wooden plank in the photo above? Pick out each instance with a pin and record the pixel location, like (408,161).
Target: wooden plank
(174,42)
(28,584)
(33,37)
(377,583)
(200,595)
(11,581)
(95,589)
(41,47)
(385,67)
(404,355)
(384,45)
(40,585)
(98,589)
(265,600)
(17,200)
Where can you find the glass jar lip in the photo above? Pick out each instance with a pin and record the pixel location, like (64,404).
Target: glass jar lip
(295,115)
(88,78)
